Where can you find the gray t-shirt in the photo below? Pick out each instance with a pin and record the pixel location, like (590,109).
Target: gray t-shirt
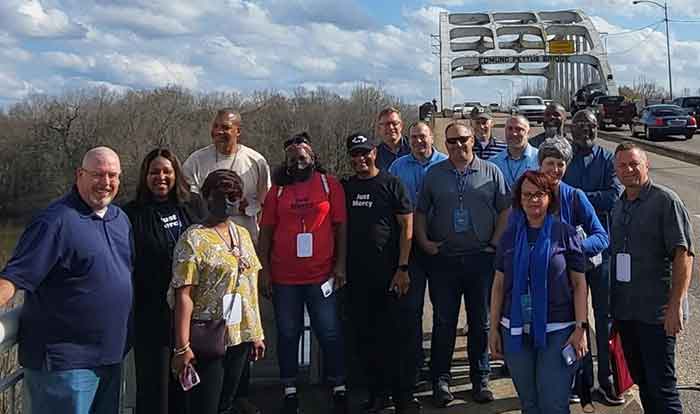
(484,196)
(649,229)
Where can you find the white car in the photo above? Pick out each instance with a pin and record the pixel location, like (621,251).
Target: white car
(468,107)
(531,107)
(457,111)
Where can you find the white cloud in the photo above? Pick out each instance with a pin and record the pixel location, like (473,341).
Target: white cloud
(148,71)
(69,61)
(140,20)
(30,18)
(317,65)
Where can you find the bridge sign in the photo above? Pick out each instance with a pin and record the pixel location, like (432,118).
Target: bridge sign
(495,60)
(561,47)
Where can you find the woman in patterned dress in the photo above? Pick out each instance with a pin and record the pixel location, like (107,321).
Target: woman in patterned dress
(215,277)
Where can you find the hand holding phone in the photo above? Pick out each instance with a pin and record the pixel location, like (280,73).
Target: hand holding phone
(188,378)
(569,354)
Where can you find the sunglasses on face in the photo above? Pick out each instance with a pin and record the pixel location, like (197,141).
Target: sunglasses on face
(296,141)
(461,139)
(361,152)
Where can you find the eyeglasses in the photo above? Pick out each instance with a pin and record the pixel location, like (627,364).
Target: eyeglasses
(296,141)
(537,195)
(462,139)
(360,152)
(395,124)
(97,175)
(482,121)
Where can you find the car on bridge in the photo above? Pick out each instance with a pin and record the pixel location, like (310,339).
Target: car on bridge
(531,107)
(662,120)
(468,107)
(613,110)
(691,104)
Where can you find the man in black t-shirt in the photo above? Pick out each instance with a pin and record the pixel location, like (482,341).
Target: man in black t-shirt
(380,223)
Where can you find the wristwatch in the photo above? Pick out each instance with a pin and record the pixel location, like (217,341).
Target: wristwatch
(403,268)
(582,324)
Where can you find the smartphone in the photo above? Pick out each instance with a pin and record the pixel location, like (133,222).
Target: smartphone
(569,354)
(188,378)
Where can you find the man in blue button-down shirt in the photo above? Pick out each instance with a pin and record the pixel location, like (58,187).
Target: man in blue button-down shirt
(520,156)
(411,170)
(393,145)
(593,170)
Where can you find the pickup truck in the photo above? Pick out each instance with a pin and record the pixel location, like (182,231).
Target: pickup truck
(613,110)
(531,107)
(690,104)
(584,97)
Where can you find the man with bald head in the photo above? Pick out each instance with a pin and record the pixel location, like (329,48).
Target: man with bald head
(553,123)
(74,262)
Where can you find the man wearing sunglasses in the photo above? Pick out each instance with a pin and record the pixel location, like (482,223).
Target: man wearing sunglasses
(486,145)
(461,213)
(226,152)
(592,170)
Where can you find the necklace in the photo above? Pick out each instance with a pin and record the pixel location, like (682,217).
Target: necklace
(235,157)
(230,244)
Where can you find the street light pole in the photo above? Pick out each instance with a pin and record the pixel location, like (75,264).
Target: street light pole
(668,39)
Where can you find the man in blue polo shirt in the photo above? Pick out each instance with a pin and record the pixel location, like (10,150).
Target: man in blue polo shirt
(520,156)
(393,145)
(411,169)
(74,262)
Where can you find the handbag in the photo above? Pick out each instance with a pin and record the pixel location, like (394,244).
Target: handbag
(208,337)
(621,373)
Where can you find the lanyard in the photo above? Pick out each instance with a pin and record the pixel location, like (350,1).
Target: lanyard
(627,211)
(461,185)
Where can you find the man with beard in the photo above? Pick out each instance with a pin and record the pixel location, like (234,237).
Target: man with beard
(379,243)
(462,212)
(302,250)
(393,145)
(74,262)
(652,252)
(553,123)
(411,170)
(486,145)
(226,152)
(592,170)
(519,156)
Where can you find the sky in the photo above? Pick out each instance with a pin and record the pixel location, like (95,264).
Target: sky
(54,46)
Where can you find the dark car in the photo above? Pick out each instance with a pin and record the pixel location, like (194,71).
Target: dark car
(613,110)
(663,120)
(691,104)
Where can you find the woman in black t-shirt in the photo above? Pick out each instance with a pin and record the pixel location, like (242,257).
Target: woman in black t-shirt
(162,210)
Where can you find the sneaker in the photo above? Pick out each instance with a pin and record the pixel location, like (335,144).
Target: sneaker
(340,402)
(574,399)
(610,396)
(441,393)
(482,395)
(290,404)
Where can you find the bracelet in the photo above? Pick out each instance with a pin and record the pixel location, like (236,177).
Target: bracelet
(181,351)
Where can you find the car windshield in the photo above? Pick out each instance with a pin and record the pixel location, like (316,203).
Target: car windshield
(667,111)
(692,102)
(529,101)
(472,104)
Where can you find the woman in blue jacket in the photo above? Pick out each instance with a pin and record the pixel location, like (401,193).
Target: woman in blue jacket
(539,298)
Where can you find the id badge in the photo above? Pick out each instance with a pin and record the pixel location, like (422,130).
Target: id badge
(327,287)
(623,267)
(461,220)
(305,245)
(526,308)
(233,311)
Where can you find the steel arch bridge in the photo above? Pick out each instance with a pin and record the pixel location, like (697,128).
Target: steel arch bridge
(562,46)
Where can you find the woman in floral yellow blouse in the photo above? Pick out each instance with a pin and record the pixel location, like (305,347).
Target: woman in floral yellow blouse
(215,278)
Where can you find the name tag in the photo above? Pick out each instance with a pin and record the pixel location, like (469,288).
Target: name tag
(623,267)
(305,245)
(327,287)
(233,311)
(461,220)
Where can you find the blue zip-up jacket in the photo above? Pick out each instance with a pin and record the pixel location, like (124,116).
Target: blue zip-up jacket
(594,173)
(576,210)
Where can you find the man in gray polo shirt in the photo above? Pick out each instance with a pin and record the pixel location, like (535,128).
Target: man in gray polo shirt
(652,252)
(461,213)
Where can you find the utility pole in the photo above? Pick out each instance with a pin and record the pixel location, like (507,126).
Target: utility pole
(668,39)
(437,51)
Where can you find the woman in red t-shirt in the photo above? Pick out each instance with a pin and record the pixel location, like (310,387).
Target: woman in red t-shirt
(302,250)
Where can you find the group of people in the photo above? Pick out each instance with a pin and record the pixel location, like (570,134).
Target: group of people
(519,229)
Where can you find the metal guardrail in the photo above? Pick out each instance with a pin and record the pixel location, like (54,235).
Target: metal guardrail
(9,326)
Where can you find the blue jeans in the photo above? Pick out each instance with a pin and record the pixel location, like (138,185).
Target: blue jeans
(650,356)
(451,278)
(74,391)
(289,301)
(541,377)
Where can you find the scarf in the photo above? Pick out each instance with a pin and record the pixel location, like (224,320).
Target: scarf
(535,263)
